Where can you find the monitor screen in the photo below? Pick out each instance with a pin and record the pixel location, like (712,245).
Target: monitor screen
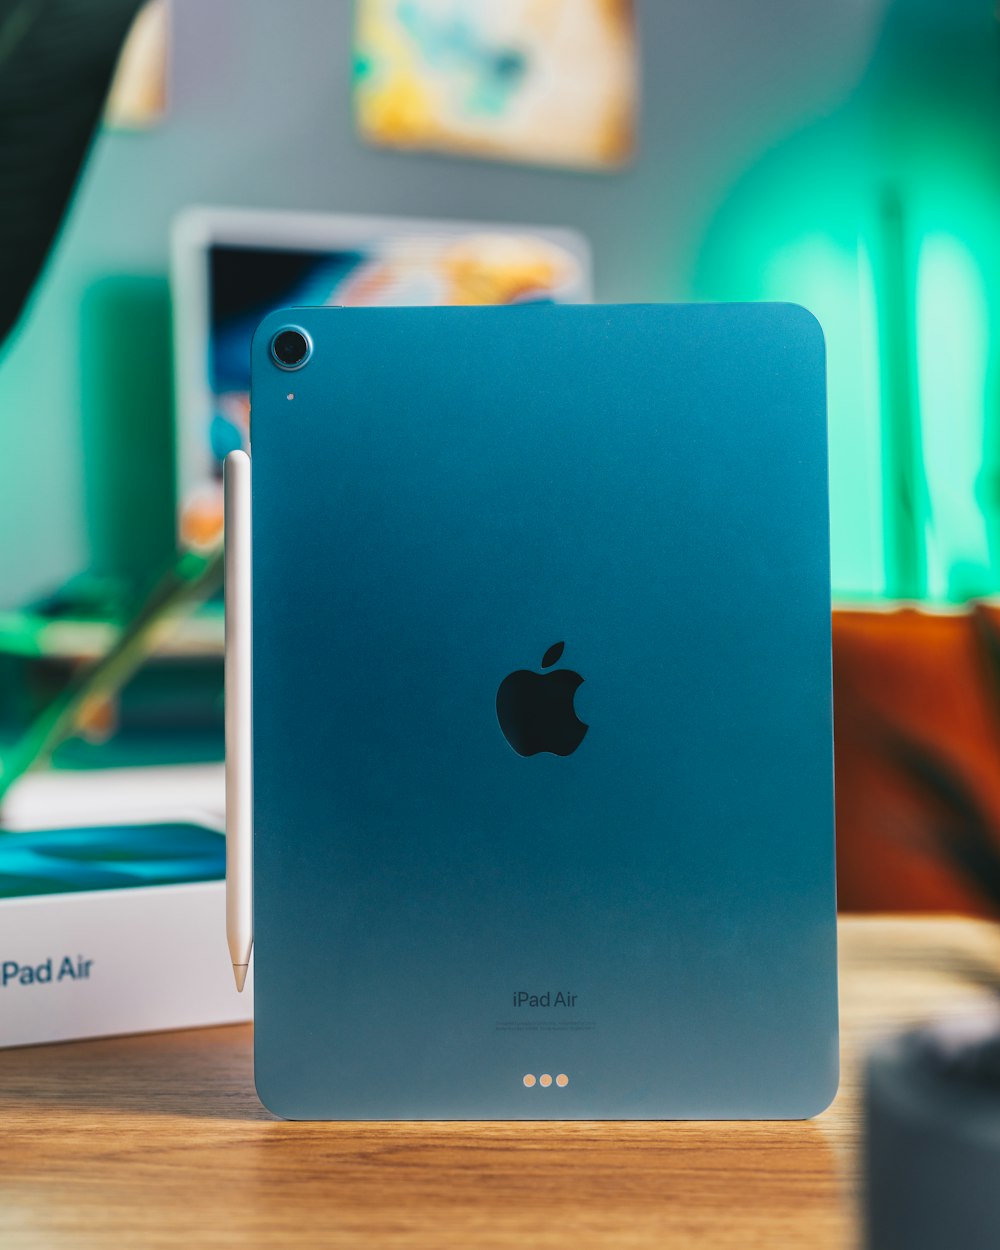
(241,281)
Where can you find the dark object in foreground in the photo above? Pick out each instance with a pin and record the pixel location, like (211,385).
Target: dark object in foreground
(57,58)
(932,1141)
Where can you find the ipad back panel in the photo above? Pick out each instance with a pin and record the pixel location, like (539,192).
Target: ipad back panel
(445,905)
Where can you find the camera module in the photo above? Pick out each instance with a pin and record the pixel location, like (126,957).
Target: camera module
(291,348)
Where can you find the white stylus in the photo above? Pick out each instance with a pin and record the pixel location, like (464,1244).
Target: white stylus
(239,722)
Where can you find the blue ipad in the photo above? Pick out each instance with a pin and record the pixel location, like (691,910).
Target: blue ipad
(542,748)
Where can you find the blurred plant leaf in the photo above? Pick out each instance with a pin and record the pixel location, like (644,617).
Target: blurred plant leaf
(986,632)
(57,58)
(963,831)
(185,584)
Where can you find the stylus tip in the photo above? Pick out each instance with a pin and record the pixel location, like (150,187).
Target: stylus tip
(240,973)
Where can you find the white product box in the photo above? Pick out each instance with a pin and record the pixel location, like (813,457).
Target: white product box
(100,962)
(97,962)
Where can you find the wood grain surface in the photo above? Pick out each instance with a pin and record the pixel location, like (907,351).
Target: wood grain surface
(159,1141)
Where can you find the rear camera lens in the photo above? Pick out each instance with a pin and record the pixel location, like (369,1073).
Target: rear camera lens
(291,348)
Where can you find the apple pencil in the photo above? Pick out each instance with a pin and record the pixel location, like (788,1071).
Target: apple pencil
(239,731)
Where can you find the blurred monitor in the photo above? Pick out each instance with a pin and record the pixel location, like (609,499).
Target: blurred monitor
(232,266)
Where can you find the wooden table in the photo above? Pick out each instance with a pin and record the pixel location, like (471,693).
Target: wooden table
(160,1141)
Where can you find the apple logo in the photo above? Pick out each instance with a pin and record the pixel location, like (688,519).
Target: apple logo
(535,710)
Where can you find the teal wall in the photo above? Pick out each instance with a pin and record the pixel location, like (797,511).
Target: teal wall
(782,155)
(884,217)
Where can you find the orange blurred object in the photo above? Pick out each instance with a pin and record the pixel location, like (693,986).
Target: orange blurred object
(917,724)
